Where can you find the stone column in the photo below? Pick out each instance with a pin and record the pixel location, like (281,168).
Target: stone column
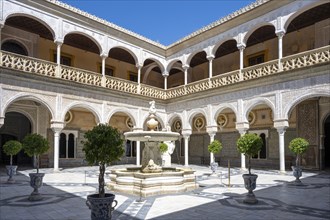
(210,58)
(211,154)
(57,127)
(241,48)
(58,58)
(185,67)
(186,150)
(281,126)
(211,130)
(138,153)
(280,49)
(103,81)
(139,67)
(242,127)
(165,74)
(2,121)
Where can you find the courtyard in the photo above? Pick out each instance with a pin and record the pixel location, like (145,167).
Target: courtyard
(65,195)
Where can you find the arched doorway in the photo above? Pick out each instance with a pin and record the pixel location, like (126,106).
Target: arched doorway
(16,127)
(327,143)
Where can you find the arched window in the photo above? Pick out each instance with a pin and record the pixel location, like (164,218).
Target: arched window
(62,146)
(68,144)
(262,152)
(14,47)
(71,146)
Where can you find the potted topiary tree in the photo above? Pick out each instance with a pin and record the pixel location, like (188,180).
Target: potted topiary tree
(102,146)
(298,146)
(11,148)
(249,145)
(214,147)
(34,145)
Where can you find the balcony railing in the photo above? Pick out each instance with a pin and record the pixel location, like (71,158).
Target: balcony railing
(50,69)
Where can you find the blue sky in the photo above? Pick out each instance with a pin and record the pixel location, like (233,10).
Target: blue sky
(164,21)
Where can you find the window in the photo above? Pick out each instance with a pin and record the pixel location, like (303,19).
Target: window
(67,147)
(130,148)
(132,76)
(108,70)
(14,47)
(256,58)
(66,59)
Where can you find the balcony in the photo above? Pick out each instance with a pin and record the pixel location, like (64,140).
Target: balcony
(49,69)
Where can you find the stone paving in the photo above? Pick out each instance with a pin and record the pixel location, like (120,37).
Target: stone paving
(65,194)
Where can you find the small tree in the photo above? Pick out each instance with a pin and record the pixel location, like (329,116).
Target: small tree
(215,147)
(298,146)
(12,148)
(249,145)
(163,147)
(103,146)
(35,145)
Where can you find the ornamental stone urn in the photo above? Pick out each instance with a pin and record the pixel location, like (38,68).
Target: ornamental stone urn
(101,208)
(11,171)
(36,183)
(250,183)
(297,172)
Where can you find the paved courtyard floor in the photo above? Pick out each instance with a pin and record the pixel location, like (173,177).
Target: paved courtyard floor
(65,194)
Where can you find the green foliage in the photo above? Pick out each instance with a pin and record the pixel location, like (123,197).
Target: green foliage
(298,145)
(214,147)
(35,145)
(163,147)
(103,146)
(249,145)
(12,147)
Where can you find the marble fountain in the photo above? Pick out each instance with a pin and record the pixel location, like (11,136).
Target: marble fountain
(151,178)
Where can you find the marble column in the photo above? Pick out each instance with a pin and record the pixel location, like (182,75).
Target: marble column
(57,128)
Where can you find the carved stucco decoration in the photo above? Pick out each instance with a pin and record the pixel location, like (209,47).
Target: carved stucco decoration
(222,120)
(177,126)
(199,123)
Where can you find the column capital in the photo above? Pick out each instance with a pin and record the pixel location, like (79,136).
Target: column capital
(210,57)
(280,33)
(104,55)
(139,65)
(241,46)
(211,130)
(185,66)
(165,73)
(281,125)
(58,41)
(242,127)
(57,126)
(186,133)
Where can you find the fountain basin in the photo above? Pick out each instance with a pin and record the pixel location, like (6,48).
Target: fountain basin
(146,136)
(170,180)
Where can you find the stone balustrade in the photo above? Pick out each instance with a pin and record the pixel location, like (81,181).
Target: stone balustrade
(49,69)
